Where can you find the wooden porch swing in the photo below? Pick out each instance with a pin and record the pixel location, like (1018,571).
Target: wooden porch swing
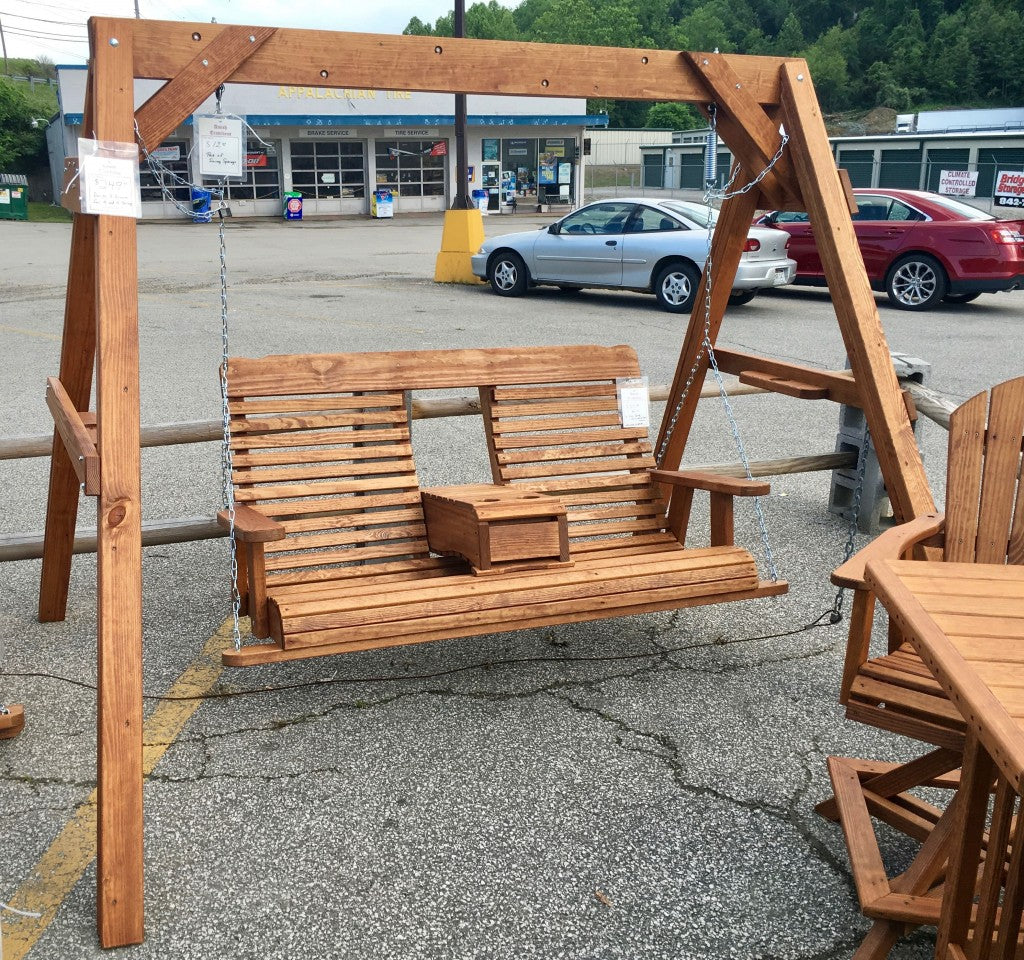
(752,96)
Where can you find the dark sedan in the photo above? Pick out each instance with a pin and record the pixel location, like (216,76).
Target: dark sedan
(920,248)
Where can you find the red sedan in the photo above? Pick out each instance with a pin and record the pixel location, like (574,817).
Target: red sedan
(918,247)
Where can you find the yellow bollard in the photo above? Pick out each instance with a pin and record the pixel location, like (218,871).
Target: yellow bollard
(462,237)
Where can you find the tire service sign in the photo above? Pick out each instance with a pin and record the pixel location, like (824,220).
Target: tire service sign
(1009,190)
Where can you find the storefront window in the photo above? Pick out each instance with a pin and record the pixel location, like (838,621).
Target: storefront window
(166,176)
(327,169)
(415,167)
(262,179)
(542,167)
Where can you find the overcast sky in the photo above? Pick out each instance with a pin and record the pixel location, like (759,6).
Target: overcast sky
(56,28)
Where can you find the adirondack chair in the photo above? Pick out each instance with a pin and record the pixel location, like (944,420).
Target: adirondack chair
(983,523)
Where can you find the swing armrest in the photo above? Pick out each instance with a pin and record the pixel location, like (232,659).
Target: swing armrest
(251,526)
(722,489)
(712,482)
(892,544)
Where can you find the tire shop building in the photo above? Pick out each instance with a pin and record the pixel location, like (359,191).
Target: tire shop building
(335,147)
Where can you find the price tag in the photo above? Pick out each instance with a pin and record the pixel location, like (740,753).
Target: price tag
(109,175)
(634,401)
(220,147)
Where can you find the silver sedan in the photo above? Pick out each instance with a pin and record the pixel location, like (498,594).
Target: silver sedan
(657,246)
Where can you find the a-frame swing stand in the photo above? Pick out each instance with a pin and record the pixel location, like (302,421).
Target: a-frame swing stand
(752,96)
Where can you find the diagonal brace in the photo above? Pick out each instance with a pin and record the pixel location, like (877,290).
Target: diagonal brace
(216,63)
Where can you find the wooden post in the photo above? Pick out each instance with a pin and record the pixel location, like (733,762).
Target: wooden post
(77,358)
(119,519)
(726,248)
(856,311)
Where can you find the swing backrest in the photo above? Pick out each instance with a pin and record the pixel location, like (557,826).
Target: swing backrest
(321,443)
(984,493)
(568,440)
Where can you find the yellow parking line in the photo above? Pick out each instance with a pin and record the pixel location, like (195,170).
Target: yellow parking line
(67,858)
(30,333)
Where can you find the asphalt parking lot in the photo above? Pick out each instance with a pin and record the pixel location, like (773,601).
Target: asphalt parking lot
(638,788)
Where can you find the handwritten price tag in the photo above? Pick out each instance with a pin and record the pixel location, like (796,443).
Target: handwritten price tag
(109,175)
(634,401)
(220,147)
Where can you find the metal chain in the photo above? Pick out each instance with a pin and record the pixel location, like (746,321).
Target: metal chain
(836,613)
(226,456)
(228,489)
(706,345)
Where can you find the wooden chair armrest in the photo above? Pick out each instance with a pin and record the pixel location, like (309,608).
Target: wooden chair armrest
(712,482)
(251,526)
(892,544)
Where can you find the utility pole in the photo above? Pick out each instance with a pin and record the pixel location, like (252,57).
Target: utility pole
(461,199)
(463,222)
(137,17)
(3,43)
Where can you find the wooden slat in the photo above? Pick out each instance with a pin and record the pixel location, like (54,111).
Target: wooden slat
(1002,470)
(324,438)
(555,454)
(316,421)
(554,424)
(393,482)
(339,471)
(338,537)
(556,468)
(963,477)
(352,555)
(340,506)
(333,455)
(302,57)
(519,394)
(425,369)
(522,441)
(244,407)
(342,521)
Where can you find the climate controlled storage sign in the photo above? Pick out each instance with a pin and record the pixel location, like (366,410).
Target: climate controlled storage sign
(1009,190)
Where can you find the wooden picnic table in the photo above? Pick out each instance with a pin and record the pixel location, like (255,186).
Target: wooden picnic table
(966,621)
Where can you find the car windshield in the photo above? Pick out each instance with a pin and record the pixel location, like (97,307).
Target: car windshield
(964,210)
(701,215)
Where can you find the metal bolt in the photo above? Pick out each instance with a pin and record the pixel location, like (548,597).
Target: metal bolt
(114,41)
(252,39)
(81,459)
(800,77)
(206,63)
(81,488)
(738,86)
(705,61)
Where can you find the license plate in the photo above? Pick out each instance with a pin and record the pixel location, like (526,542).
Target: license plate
(781,277)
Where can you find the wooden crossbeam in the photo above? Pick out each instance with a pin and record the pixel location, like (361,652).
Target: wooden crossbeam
(211,66)
(316,58)
(751,135)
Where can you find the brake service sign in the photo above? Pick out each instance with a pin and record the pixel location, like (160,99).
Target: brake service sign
(1009,190)
(958,183)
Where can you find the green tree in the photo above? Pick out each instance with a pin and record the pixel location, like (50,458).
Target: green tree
(599,23)
(826,58)
(490,21)
(790,37)
(20,142)
(702,30)
(880,80)
(417,28)
(674,116)
(951,69)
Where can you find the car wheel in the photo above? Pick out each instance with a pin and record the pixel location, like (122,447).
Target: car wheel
(961,297)
(508,274)
(739,297)
(675,286)
(916,282)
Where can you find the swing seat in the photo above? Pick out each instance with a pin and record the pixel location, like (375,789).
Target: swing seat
(335,543)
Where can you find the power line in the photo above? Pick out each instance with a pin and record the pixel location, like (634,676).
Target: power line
(63,23)
(44,35)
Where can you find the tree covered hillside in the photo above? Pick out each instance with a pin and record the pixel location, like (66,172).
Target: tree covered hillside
(903,54)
